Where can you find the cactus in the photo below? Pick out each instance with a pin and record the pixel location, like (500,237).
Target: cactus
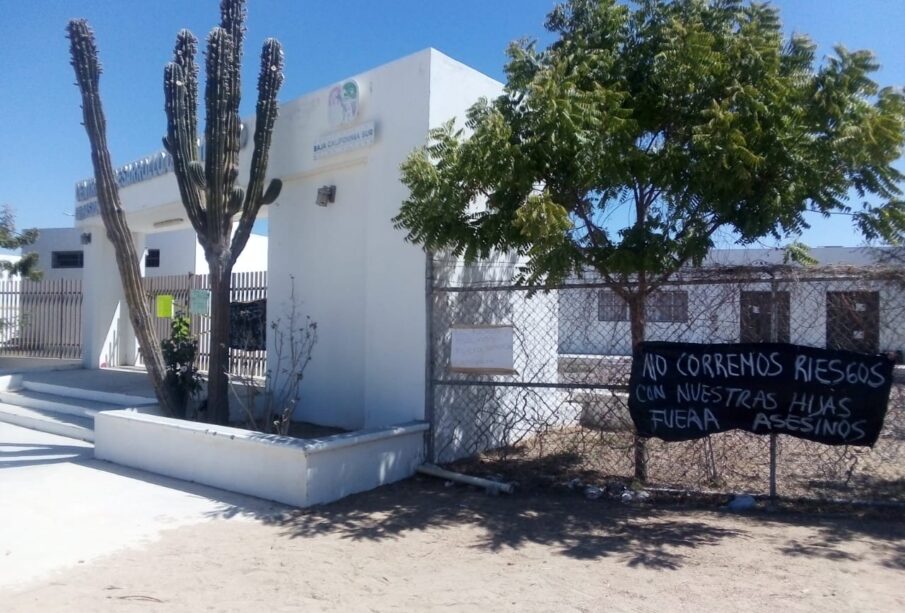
(212,200)
(83,51)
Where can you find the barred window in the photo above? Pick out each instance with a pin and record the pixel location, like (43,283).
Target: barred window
(67,259)
(671,306)
(611,306)
(152,258)
(667,306)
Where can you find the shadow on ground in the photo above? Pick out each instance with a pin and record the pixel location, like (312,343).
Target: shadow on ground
(15,455)
(570,526)
(658,535)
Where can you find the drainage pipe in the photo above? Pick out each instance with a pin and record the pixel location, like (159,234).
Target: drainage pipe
(487,484)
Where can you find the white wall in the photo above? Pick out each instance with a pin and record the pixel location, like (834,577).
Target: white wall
(472,418)
(288,470)
(177,253)
(253,258)
(180,252)
(56,239)
(354,274)
(12,259)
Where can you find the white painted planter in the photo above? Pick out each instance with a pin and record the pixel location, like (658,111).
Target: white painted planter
(298,472)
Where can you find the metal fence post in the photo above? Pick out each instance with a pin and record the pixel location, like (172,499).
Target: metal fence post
(774,337)
(429,354)
(60,299)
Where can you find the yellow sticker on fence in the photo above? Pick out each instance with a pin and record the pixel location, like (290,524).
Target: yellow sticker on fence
(165,305)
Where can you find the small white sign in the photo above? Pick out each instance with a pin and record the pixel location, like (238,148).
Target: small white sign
(482,349)
(345,140)
(200,302)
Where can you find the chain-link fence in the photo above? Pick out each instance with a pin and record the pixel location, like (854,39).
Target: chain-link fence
(562,413)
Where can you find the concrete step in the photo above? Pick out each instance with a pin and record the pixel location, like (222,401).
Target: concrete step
(53,403)
(117,399)
(73,426)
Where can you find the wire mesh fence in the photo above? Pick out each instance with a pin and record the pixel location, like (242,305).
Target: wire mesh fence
(562,413)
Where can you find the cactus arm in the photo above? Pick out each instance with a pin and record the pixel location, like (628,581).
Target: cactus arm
(181,145)
(184,55)
(232,20)
(269,82)
(221,143)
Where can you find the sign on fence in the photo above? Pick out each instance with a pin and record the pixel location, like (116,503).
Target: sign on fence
(200,302)
(481,349)
(248,325)
(165,306)
(684,391)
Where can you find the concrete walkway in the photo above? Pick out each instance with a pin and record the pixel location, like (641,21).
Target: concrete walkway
(131,381)
(10,365)
(59,507)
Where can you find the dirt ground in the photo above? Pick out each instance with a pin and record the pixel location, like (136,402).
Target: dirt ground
(420,546)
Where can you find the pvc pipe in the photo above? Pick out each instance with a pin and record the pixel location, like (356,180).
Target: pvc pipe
(436,471)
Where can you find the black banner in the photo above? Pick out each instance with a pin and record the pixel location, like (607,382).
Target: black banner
(248,325)
(684,391)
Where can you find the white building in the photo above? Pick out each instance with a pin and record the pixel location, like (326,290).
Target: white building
(831,305)
(331,239)
(61,253)
(12,259)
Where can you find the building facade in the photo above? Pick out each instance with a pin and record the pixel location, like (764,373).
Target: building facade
(332,249)
(61,253)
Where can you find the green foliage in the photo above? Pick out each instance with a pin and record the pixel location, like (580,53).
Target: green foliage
(641,132)
(798,253)
(27,266)
(180,353)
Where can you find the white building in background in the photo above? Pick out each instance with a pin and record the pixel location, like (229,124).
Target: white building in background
(12,259)
(822,306)
(332,244)
(61,253)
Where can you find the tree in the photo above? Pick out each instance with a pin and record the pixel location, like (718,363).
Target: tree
(641,132)
(27,265)
(208,187)
(209,194)
(83,51)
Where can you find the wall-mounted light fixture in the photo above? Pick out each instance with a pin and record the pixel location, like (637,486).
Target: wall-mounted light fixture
(326,195)
(85,238)
(168,222)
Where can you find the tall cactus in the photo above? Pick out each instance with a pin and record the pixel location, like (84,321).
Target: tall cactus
(212,200)
(83,51)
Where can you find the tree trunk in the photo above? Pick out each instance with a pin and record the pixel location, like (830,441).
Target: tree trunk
(218,377)
(87,72)
(637,323)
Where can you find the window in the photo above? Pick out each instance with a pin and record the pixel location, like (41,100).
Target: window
(611,307)
(756,320)
(152,258)
(67,259)
(671,306)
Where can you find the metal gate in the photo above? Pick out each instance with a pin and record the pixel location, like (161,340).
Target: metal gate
(41,319)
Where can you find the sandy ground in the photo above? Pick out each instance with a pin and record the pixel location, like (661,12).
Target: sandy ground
(419,546)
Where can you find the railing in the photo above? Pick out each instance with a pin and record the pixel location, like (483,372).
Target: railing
(244,287)
(41,319)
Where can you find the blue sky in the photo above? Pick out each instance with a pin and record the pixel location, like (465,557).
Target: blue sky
(45,150)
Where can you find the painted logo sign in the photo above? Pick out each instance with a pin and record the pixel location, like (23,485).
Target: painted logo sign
(342,104)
